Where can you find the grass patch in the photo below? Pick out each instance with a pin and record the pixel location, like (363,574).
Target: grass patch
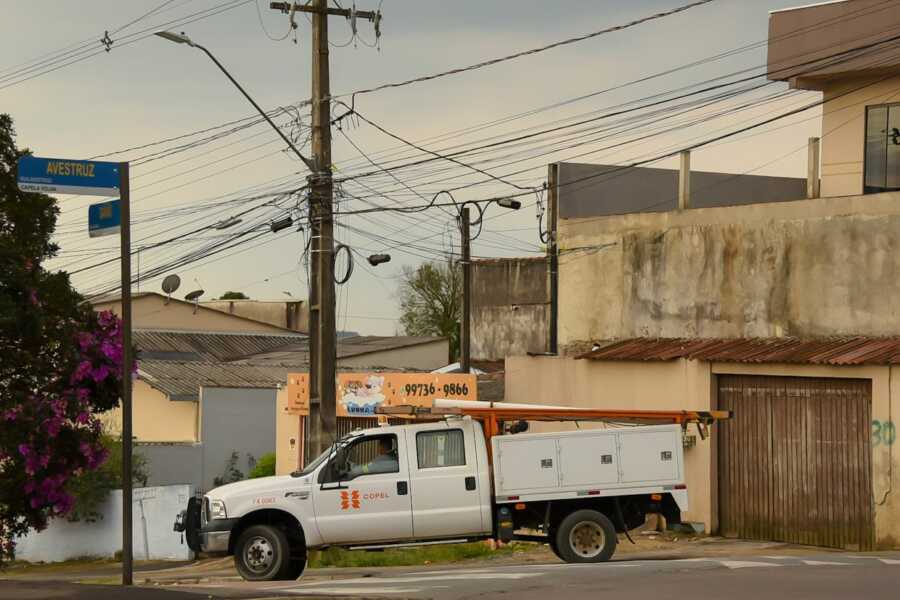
(405,557)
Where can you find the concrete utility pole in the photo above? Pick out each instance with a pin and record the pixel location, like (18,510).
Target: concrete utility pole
(322,328)
(465,341)
(553,254)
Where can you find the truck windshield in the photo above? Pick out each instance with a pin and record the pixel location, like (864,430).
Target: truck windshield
(323,457)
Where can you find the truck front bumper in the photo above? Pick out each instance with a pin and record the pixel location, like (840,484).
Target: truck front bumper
(215,535)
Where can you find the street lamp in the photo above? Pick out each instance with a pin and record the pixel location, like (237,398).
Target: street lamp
(181,38)
(510,203)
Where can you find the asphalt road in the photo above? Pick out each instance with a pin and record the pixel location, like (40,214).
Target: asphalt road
(814,576)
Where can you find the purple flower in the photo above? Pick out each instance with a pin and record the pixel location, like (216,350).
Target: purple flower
(53,425)
(85,340)
(83,394)
(82,418)
(24,450)
(100,373)
(84,367)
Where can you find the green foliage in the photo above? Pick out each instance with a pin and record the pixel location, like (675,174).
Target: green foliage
(431,302)
(234,296)
(91,488)
(60,365)
(231,473)
(265,466)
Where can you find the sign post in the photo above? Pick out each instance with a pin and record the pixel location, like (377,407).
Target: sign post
(93,178)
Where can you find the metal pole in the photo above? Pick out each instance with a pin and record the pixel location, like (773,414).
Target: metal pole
(323,334)
(127,359)
(812,169)
(684,181)
(553,252)
(465,341)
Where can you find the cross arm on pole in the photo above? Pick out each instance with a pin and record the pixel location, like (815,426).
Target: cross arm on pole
(285,7)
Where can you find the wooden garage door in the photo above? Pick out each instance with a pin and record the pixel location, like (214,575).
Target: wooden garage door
(795,461)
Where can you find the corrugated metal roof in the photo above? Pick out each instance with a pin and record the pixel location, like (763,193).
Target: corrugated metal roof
(844,351)
(210,346)
(182,380)
(346,347)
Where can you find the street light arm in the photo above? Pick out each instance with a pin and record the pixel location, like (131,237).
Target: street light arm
(310,165)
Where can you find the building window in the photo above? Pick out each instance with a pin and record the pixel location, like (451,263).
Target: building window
(882,160)
(441,448)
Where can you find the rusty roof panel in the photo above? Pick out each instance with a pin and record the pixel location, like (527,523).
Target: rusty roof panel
(849,351)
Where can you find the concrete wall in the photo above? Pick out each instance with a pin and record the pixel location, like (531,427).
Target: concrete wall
(421,357)
(806,268)
(684,384)
(234,419)
(289,315)
(587,190)
(155,417)
(149,311)
(843,130)
(173,463)
(288,429)
(510,307)
(154,510)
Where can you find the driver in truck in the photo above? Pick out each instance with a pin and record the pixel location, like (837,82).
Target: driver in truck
(385,462)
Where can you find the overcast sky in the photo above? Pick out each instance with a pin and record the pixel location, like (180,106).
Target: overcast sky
(150,89)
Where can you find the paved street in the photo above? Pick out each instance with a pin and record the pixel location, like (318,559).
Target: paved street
(816,575)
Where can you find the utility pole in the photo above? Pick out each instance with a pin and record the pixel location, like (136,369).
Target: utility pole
(465,342)
(553,254)
(322,327)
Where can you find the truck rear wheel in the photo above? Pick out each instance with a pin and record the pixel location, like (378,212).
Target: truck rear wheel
(262,553)
(586,536)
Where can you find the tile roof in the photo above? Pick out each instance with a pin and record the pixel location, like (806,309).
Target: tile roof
(842,351)
(182,380)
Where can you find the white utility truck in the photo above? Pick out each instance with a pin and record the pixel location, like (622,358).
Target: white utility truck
(446,481)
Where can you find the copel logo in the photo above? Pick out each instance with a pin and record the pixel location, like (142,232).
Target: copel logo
(350,500)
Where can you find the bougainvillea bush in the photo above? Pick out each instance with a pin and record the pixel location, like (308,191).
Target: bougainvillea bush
(60,364)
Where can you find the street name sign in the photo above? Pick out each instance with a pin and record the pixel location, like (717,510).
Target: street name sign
(104,218)
(65,176)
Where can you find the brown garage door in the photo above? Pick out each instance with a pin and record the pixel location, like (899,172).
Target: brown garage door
(795,462)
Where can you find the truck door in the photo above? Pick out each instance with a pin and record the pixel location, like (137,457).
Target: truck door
(443,469)
(363,492)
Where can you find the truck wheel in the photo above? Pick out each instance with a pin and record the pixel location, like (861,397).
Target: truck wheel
(552,543)
(586,536)
(262,553)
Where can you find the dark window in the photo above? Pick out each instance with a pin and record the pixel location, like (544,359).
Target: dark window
(445,448)
(882,160)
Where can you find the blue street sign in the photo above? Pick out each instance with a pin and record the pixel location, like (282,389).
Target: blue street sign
(64,176)
(104,218)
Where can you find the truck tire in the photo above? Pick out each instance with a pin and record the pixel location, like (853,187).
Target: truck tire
(551,537)
(262,553)
(586,536)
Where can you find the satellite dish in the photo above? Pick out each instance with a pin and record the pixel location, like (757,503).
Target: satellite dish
(171,283)
(192,297)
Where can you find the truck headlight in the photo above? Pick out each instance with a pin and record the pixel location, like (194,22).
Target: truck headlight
(217,509)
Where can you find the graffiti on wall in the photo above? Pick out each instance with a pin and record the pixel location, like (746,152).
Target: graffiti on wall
(883,433)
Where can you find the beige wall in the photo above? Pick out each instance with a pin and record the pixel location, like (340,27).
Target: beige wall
(155,418)
(423,357)
(151,312)
(806,268)
(288,457)
(289,314)
(843,130)
(686,384)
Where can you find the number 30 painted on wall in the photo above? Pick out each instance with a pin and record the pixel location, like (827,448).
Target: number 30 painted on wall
(883,432)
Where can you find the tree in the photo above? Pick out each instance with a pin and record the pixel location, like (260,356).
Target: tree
(61,365)
(234,296)
(91,488)
(431,302)
(264,467)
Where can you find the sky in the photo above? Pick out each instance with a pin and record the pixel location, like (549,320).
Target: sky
(146,89)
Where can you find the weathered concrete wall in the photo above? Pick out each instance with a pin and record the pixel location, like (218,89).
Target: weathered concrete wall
(510,307)
(290,314)
(173,463)
(806,268)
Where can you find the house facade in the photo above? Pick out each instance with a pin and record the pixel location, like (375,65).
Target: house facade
(780,310)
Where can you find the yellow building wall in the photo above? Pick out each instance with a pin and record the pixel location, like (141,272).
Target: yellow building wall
(683,384)
(288,437)
(151,312)
(155,418)
(843,130)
